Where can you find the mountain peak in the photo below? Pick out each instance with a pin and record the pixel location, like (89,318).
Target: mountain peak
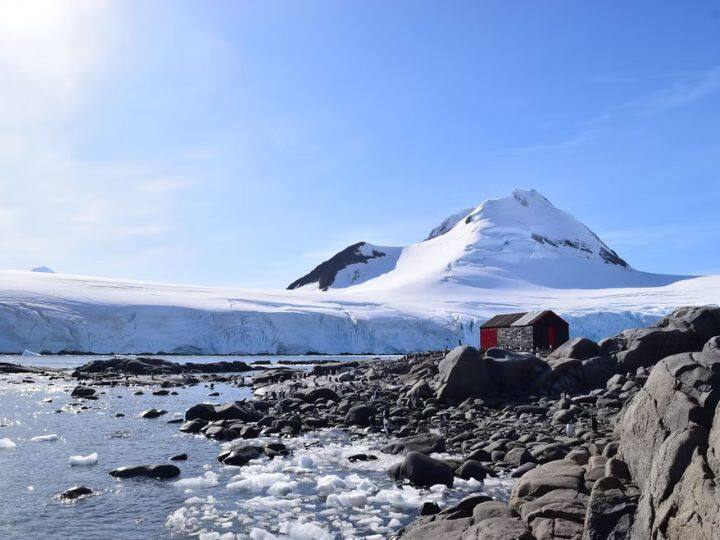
(518,240)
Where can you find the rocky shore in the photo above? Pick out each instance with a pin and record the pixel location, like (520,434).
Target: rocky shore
(617,439)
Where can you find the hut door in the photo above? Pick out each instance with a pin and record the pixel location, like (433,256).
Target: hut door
(552,337)
(488,338)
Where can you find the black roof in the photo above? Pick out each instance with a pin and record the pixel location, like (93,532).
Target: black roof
(516,319)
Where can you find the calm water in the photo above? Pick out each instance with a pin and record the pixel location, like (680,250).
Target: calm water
(314,493)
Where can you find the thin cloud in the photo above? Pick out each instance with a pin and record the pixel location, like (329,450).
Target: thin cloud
(683,92)
(573,142)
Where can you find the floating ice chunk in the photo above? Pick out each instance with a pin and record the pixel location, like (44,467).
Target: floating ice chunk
(329,484)
(45,438)
(261,534)
(7,444)
(280,489)
(350,498)
(307,531)
(216,536)
(305,461)
(209,479)
(258,482)
(81,461)
(30,353)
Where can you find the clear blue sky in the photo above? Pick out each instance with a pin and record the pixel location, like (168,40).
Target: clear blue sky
(240,143)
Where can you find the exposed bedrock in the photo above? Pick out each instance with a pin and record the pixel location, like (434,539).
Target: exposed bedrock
(670,438)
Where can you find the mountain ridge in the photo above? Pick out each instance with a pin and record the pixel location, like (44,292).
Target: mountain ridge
(521,238)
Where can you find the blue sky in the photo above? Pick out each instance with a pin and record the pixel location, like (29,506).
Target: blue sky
(240,143)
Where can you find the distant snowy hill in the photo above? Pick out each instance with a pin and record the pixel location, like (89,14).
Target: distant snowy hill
(43,270)
(508,242)
(518,253)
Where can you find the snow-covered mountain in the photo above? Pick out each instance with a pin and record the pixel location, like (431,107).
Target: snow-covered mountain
(518,253)
(509,242)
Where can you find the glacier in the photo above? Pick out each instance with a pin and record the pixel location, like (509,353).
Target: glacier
(518,253)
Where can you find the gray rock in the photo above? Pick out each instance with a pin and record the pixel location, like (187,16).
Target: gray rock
(422,470)
(227,411)
(360,415)
(611,510)
(712,345)
(472,469)
(425,443)
(498,528)
(552,476)
(420,389)
(463,374)
(669,439)
(580,348)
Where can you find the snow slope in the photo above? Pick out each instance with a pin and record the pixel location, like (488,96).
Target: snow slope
(510,242)
(430,295)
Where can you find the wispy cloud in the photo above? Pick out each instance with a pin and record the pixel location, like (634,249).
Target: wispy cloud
(685,90)
(572,142)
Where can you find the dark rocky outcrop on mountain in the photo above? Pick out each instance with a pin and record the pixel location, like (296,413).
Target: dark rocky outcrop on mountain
(324,274)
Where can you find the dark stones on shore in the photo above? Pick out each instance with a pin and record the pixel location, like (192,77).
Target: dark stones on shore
(425,443)
(152,413)
(83,392)
(243,411)
(9,368)
(242,455)
(162,471)
(158,366)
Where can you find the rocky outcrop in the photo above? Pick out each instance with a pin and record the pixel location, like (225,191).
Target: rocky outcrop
(464,373)
(236,410)
(158,366)
(670,438)
(686,329)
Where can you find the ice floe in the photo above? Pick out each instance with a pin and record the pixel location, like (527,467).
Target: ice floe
(7,444)
(82,461)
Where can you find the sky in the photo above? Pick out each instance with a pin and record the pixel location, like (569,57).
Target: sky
(241,143)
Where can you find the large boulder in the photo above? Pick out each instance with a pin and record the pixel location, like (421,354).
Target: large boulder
(670,438)
(422,470)
(425,443)
(509,371)
(161,471)
(360,415)
(702,321)
(686,329)
(463,374)
(237,410)
(556,475)
(580,348)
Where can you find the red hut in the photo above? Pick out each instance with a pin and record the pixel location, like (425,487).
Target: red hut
(534,330)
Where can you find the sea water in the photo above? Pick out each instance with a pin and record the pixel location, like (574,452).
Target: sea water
(313,493)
